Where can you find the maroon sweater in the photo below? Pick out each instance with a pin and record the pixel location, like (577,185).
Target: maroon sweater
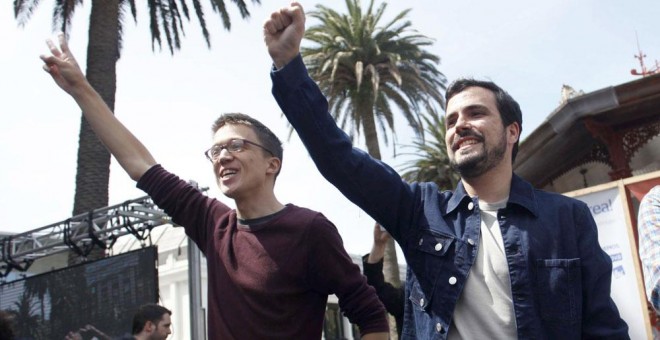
(269,280)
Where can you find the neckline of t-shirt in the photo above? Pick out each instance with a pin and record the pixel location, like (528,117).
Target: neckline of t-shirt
(253,222)
(487,206)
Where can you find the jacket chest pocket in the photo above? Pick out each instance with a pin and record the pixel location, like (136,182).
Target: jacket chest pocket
(559,290)
(431,256)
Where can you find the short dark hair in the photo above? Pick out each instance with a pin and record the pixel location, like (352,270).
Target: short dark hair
(6,325)
(266,137)
(148,312)
(509,109)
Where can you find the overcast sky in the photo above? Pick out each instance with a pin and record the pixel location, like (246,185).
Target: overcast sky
(531,48)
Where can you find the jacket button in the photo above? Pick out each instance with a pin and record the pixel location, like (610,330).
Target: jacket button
(438,246)
(438,327)
(452,280)
(470,241)
(421,240)
(421,302)
(470,206)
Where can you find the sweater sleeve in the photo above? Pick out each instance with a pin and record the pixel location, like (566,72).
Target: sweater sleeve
(332,271)
(185,204)
(392,297)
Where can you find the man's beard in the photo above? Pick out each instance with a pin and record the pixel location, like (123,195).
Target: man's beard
(477,165)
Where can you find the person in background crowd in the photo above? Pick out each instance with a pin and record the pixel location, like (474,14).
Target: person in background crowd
(372,267)
(648,228)
(6,326)
(152,322)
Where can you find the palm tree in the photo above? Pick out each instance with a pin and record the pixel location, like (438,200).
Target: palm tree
(103,51)
(26,317)
(366,70)
(431,163)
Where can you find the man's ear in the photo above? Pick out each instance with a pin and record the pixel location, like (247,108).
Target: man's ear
(513,133)
(274,165)
(148,327)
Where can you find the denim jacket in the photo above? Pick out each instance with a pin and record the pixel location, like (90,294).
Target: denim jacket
(560,276)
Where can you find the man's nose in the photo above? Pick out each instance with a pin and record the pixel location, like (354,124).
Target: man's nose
(462,122)
(225,155)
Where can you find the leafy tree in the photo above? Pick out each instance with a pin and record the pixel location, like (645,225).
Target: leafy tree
(106,25)
(368,70)
(431,163)
(26,316)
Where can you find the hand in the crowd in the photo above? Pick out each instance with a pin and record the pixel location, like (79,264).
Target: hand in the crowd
(87,328)
(73,336)
(283,32)
(381,236)
(378,248)
(62,66)
(100,335)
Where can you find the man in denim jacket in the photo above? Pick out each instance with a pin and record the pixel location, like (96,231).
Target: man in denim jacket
(495,258)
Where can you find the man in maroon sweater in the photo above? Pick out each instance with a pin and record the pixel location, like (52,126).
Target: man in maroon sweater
(270,266)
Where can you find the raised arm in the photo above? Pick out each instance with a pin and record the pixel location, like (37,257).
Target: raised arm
(283,32)
(369,183)
(131,154)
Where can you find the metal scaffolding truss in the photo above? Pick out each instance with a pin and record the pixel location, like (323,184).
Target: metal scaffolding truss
(82,233)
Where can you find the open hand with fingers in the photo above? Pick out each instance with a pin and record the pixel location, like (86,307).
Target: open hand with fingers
(63,67)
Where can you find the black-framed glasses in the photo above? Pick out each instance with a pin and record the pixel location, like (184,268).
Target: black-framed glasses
(234,145)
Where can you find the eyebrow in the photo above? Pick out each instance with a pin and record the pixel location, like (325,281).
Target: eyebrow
(469,108)
(224,143)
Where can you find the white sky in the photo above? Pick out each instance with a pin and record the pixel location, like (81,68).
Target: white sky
(530,48)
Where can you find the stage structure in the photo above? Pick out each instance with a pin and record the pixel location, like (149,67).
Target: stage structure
(81,233)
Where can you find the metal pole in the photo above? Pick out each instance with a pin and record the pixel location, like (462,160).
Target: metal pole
(197,319)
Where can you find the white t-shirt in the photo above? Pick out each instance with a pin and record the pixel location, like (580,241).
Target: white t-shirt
(485,307)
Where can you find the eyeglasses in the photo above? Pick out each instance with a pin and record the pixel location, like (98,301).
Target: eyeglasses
(233,146)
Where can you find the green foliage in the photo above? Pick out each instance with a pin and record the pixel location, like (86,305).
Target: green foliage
(366,69)
(431,163)
(27,321)
(165,16)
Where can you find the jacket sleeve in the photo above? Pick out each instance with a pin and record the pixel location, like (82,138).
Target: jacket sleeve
(600,319)
(369,183)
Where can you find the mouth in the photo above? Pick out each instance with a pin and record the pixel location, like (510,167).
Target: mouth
(465,142)
(227,173)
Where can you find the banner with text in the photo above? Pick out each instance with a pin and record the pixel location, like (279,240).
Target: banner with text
(607,209)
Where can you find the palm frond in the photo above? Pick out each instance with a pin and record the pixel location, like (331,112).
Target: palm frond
(353,58)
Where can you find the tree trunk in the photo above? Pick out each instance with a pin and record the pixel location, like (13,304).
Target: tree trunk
(390,262)
(93,168)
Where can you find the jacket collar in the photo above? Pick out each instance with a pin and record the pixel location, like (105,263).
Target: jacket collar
(521,194)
